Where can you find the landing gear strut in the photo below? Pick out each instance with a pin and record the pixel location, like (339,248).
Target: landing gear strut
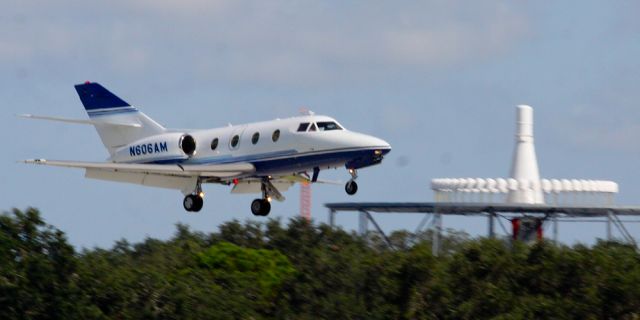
(352,187)
(194,202)
(262,207)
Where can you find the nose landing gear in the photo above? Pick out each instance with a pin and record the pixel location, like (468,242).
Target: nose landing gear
(352,187)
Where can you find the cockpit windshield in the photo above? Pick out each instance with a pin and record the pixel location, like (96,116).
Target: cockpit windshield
(303,127)
(319,126)
(328,125)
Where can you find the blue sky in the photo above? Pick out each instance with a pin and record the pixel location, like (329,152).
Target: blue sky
(439,80)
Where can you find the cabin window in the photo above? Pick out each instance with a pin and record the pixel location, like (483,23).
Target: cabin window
(328,125)
(214,144)
(313,127)
(235,140)
(303,127)
(275,136)
(255,138)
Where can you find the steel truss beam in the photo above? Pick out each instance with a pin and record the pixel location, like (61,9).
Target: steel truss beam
(433,216)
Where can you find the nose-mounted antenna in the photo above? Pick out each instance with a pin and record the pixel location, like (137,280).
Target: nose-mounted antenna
(304,111)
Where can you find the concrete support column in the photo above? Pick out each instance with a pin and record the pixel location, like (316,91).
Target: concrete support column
(492,228)
(363,223)
(332,218)
(555,229)
(609,235)
(437,229)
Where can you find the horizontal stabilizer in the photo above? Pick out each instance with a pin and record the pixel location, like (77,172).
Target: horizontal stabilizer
(82,121)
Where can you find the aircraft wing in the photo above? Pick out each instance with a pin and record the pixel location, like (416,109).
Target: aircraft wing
(304,179)
(276,185)
(209,171)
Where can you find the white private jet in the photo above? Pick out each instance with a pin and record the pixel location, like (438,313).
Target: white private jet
(263,157)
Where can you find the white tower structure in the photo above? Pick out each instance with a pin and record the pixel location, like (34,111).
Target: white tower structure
(524,185)
(524,168)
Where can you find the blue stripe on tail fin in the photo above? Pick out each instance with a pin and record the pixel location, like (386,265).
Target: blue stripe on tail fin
(94,96)
(105,107)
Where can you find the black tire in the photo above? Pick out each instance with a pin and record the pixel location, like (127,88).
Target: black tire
(256,207)
(260,207)
(351,188)
(199,202)
(266,208)
(189,202)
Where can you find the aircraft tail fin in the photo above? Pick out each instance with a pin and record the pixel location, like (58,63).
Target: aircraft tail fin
(105,108)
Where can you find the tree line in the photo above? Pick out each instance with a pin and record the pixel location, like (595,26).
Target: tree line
(300,270)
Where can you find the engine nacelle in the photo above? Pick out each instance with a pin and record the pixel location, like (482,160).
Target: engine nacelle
(159,148)
(187,144)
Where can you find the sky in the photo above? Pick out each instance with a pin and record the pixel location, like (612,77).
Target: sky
(439,80)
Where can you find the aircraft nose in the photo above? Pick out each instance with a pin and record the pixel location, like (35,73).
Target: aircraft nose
(364,140)
(373,151)
(384,146)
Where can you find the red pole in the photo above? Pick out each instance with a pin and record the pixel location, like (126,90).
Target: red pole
(305,200)
(515,227)
(539,229)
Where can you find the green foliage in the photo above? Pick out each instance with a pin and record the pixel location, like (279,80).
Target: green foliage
(38,278)
(245,267)
(305,271)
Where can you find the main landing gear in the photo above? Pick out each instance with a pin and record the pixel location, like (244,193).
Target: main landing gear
(352,187)
(262,207)
(194,202)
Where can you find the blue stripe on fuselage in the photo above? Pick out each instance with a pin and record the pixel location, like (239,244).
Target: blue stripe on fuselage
(247,158)
(288,160)
(219,159)
(305,162)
